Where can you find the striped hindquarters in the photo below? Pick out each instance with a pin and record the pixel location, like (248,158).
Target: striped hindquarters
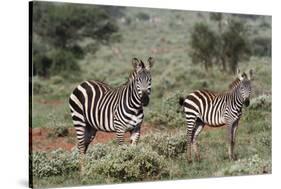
(84,102)
(205,105)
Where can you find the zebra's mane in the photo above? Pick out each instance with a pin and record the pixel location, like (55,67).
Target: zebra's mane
(234,84)
(131,76)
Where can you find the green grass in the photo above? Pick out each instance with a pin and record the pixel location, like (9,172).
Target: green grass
(173,75)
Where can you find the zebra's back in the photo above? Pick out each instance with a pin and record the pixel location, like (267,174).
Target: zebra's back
(85,102)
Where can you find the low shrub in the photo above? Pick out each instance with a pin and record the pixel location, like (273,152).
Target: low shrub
(98,151)
(117,163)
(169,146)
(134,163)
(261,102)
(57,80)
(57,162)
(169,113)
(59,132)
(252,165)
(39,87)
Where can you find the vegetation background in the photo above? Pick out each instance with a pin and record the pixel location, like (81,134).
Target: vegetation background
(193,50)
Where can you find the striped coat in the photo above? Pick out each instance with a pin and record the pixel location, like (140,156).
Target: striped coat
(215,109)
(96,106)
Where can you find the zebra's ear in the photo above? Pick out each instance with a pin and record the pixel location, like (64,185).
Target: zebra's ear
(137,64)
(150,63)
(251,74)
(239,75)
(238,72)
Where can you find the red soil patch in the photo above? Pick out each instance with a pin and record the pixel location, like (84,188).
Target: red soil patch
(44,139)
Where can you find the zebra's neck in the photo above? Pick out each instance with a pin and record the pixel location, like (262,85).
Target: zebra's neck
(133,100)
(236,98)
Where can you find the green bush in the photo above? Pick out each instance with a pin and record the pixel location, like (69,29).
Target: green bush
(169,146)
(57,162)
(169,113)
(60,132)
(57,80)
(261,102)
(133,163)
(252,165)
(98,151)
(118,163)
(39,87)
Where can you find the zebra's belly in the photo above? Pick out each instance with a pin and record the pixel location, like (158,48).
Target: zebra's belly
(213,121)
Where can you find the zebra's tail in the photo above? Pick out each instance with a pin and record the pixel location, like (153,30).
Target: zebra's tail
(181,100)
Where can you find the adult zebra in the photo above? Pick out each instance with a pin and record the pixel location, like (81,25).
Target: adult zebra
(216,109)
(95,106)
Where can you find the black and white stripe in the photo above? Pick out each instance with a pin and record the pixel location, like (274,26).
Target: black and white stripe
(95,106)
(216,109)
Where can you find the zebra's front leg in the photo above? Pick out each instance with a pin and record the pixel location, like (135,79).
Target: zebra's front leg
(120,137)
(232,128)
(135,135)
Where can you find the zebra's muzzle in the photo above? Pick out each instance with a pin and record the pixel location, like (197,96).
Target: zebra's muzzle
(247,102)
(145,99)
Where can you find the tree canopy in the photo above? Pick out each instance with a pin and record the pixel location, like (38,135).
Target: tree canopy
(226,48)
(59,30)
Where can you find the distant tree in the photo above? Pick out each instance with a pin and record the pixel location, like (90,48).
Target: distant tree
(218,17)
(204,45)
(114,11)
(227,48)
(261,46)
(235,43)
(246,16)
(59,28)
(143,16)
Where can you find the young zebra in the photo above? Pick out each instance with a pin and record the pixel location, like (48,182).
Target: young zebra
(216,109)
(95,106)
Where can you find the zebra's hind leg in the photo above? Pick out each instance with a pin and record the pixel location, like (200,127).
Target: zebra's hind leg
(190,120)
(199,125)
(85,134)
(232,128)
(90,134)
(80,130)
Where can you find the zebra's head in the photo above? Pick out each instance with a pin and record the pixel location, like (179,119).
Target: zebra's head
(245,86)
(143,79)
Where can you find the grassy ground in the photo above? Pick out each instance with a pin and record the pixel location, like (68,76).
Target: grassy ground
(173,74)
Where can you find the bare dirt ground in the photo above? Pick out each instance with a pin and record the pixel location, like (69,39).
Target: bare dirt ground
(44,139)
